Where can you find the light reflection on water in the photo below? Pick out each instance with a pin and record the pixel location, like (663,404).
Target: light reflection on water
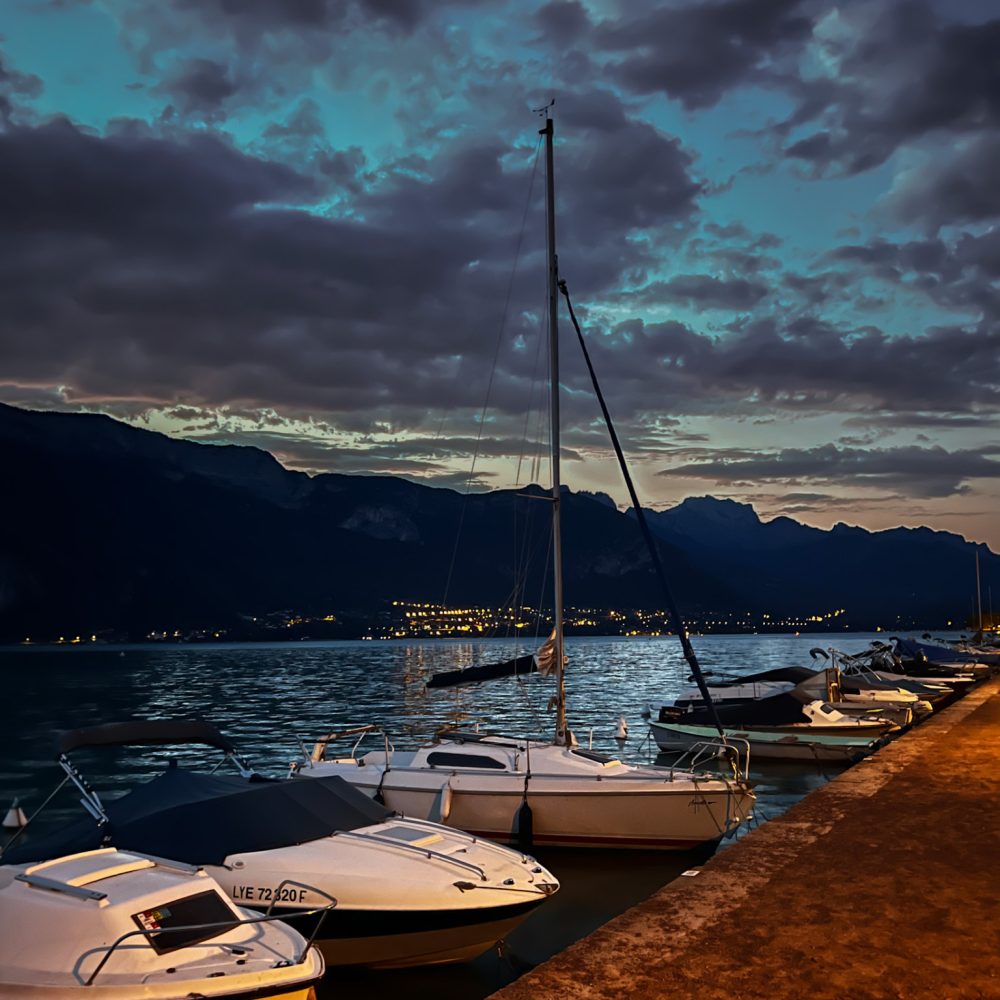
(266,697)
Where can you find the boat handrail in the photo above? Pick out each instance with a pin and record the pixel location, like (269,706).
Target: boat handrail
(703,749)
(54,885)
(402,845)
(318,753)
(455,772)
(150,933)
(430,825)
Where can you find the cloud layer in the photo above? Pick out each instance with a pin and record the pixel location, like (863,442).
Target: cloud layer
(298,225)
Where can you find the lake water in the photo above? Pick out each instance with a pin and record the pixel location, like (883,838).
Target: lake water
(267,698)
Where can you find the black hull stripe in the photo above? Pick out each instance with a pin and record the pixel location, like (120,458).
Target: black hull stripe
(386,923)
(571,840)
(267,991)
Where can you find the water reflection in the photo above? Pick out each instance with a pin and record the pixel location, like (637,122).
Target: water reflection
(266,698)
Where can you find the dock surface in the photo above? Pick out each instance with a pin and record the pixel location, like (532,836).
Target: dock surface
(883,883)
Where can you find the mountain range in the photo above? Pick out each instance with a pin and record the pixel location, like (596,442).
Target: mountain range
(111,527)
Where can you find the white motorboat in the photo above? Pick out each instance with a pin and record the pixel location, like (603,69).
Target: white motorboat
(113,925)
(780,726)
(921,658)
(774,744)
(880,661)
(527,790)
(408,892)
(853,696)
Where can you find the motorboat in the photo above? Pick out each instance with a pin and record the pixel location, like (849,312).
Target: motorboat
(408,892)
(116,925)
(780,726)
(880,662)
(920,658)
(680,736)
(578,798)
(784,712)
(544,791)
(854,697)
(966,650)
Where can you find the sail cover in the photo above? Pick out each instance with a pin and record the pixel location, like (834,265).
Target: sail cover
(203,818)
(487,672)
(543,662)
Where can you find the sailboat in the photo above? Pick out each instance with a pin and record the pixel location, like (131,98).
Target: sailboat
(536,791)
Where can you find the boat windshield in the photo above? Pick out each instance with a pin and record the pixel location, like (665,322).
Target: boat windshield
(442,758)
(182,922)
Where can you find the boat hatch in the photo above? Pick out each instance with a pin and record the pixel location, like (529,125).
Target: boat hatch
(90,867)
(416,838)
(186,921)
(600,758)
(443,758)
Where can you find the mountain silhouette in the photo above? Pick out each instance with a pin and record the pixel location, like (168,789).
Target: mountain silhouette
(112,527)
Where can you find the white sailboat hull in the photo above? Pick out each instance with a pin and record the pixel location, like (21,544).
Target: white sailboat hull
(588,804)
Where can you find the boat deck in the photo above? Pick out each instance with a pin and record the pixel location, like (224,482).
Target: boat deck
(883,883)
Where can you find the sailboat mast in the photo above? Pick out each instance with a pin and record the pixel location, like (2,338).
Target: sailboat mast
(979,594)
(553,292)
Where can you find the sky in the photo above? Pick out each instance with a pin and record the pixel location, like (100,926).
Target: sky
(317,227)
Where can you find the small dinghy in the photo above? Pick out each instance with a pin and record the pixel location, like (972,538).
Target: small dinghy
(113,925)
(408,892)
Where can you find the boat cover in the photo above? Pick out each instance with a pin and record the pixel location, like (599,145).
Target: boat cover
(778,710)
(944,654)
(794,674)
(145,731)
(203,818)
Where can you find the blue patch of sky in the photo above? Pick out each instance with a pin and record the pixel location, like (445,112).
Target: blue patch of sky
(78,55)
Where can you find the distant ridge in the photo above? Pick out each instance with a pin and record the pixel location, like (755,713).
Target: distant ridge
(109,526)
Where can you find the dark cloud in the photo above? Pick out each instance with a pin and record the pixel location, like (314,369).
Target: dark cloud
(696,52)
(563,22)
(701,291)
(201,85)
(911,471)
(735,250)
(817,289)
(937,421)
(123,184)
(168,270)
(957,189)
(957,273)
(901,73)
(15,89)
(799,366)
(255,18)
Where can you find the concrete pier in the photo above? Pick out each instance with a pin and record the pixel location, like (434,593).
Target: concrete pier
(885,883)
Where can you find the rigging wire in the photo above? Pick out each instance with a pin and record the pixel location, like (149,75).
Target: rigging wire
(675,615)
(493,370)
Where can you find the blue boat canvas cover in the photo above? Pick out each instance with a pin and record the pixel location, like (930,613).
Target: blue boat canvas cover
(777,710)
(201,819)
